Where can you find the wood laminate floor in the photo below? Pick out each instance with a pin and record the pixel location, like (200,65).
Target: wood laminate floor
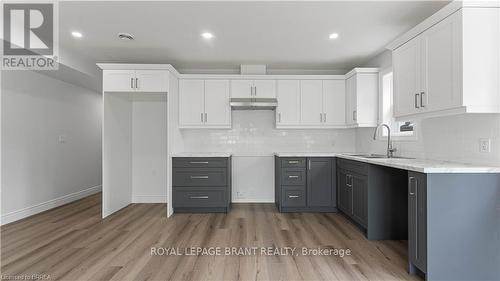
(72,242)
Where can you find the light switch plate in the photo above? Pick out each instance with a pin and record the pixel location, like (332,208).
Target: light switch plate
(485,145)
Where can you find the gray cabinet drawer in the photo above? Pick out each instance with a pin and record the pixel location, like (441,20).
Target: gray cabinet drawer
(293,196)
(196,162)
(353,166)
(189,197)
(293,176)
(290,162)
(200,177)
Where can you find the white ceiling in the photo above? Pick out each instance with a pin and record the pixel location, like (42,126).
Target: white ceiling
(283,35)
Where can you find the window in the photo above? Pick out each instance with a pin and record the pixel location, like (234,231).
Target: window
(400,130)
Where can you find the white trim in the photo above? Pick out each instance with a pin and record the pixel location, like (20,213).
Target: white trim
(128,66)
(44,206)
(261,77)
(149,199)
(361,70)
(239,201)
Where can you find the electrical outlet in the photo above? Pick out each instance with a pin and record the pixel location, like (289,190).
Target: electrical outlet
(485,145)
(61,138)
(240,194)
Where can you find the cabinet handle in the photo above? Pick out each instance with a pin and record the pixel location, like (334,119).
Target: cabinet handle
(293,162)
(255,92)
(206,117)
(416,219)
(199,177)
(251,91)
(137,83)
(324,118)
(131,83)
(201,117)
(348,179)
(293,196)
(321,118)
(416,100)
(422,99)
(354,115)
(279,117)
(198,197)
(198,162)
(293,177)
(410,182)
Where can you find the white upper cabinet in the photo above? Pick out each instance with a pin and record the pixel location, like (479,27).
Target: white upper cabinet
(217,109)
(407,72)
(361,107)
(311,99)
(204,104)
(288,110)
(135,81)
(334,92)
(450,66)
(191,103)
(264,88)
(253,88)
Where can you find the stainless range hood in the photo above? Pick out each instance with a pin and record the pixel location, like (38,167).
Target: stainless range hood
(253,103)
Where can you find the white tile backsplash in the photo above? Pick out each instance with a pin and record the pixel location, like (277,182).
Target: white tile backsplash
(451,138)
(254,133)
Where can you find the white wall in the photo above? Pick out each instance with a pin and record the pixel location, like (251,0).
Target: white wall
(450,138)
(253,140)
(149,148)
(40,170)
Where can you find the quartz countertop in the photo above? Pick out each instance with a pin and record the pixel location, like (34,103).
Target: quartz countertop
(202,154)
(417,165)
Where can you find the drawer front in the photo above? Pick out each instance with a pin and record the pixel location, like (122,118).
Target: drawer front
(290,162)
(293,196)
(293,176)
(188,197)
(200,177)
(197,162)
(353,166)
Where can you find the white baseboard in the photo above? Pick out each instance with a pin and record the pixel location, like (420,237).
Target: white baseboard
(149,199)
(41,207)
(252,201)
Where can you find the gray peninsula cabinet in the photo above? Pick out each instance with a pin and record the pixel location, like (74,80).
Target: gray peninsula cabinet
(454,225)
(201,184)
(305,184)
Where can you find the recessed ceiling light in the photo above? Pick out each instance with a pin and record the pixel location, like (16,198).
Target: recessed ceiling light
(207,35)
(77,34)
(125,36)
(334,36)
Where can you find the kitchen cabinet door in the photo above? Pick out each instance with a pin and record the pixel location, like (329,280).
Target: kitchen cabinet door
(417,220)
(440,71)
(334,92)
(344,192)
(118,81)
(319,182)
(241,88)
(311,98)
(191,103)
(350,104)
(151,81)
(359,186)
(288,110)
(217,108)
(264,88)
(407,72)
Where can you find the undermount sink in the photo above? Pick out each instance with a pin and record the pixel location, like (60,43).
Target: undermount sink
(380,156)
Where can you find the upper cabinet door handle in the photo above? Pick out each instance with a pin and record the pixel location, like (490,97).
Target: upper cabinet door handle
(422,99)
(137,83)
(131,83)
(416,100)
(324,118)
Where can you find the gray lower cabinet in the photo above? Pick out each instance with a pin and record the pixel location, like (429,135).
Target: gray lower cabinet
(417,221)
(201,184)
(353,195)
(305,184)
